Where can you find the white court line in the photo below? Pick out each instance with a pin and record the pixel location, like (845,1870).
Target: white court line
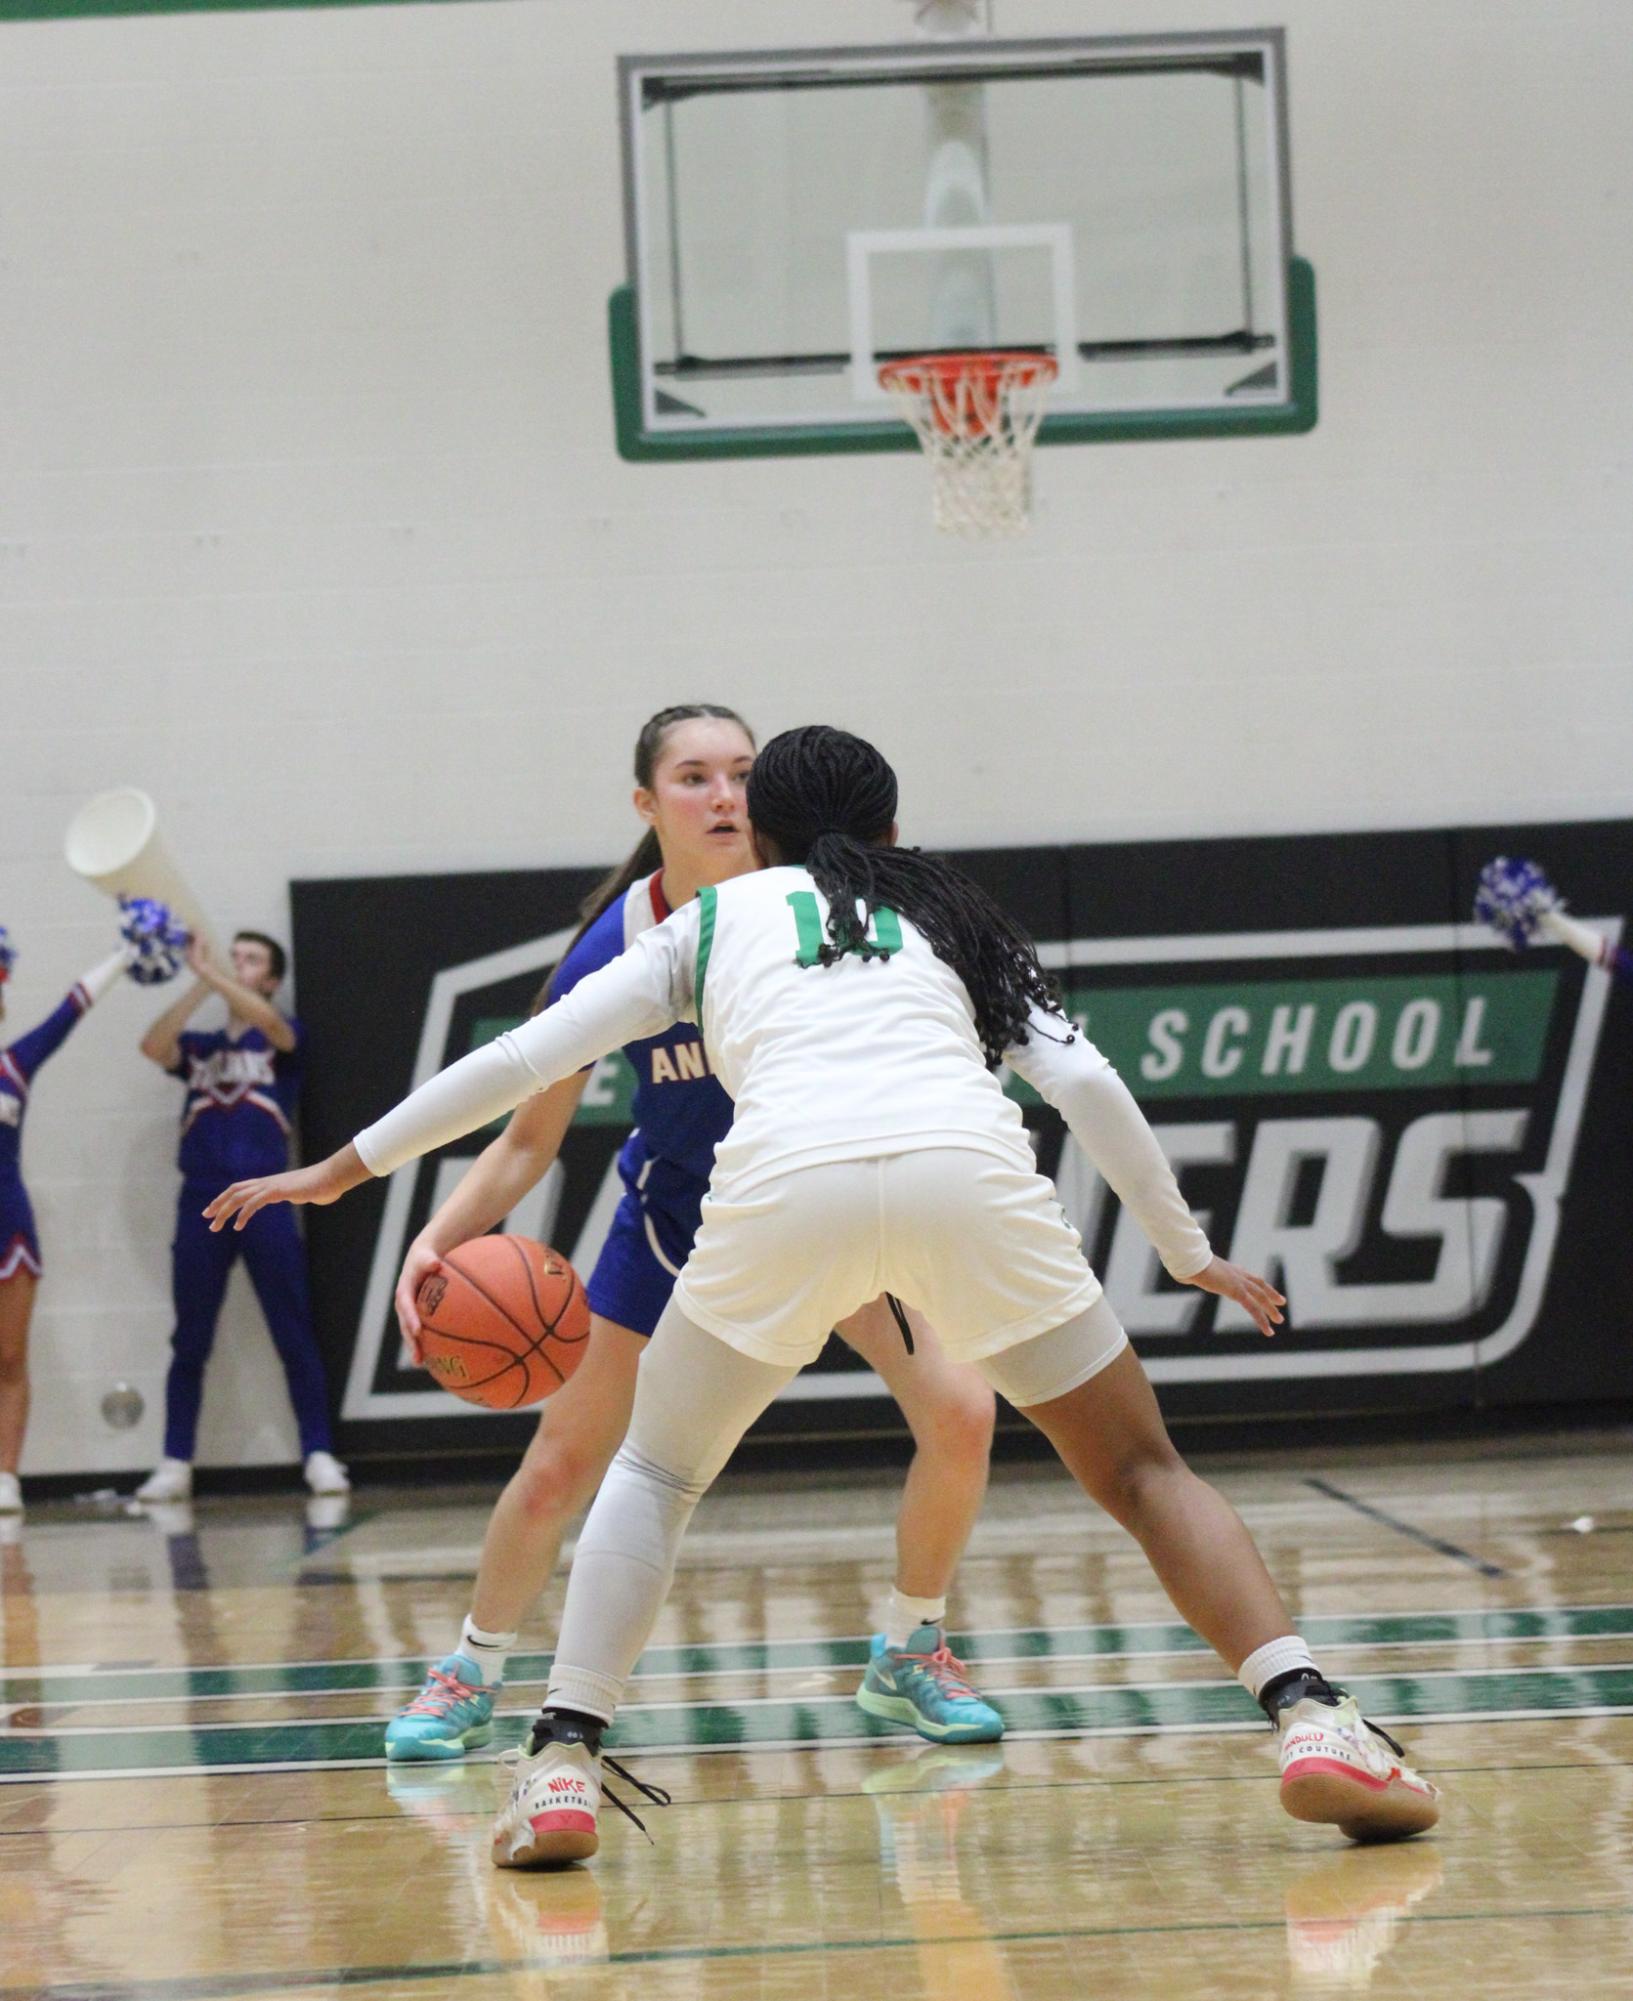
(814,1700)
(854,1667)
(407,1662)
(786,1744)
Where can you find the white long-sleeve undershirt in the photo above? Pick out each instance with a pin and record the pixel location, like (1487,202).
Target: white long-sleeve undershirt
(647,990)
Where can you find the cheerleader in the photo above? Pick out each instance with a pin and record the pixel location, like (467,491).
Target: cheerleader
(20,1262)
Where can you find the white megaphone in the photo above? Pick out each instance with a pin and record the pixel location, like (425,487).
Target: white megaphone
(115,843)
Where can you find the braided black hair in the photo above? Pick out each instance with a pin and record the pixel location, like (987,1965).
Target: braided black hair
(827,800)
(646,858)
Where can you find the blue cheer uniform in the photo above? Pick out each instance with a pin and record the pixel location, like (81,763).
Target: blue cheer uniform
(19,1242)
(681,1113)
(241,1097)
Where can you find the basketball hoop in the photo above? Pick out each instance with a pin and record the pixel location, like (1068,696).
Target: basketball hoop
(977,417)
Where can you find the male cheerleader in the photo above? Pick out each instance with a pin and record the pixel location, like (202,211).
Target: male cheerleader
(242,1082)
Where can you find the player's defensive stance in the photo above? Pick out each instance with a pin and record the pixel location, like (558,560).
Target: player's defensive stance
(854,999)
(691,769)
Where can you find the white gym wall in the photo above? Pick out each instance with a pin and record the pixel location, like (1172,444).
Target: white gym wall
(311,523)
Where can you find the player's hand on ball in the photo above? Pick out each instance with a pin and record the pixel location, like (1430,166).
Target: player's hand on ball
(1256,1295)
(418,1266)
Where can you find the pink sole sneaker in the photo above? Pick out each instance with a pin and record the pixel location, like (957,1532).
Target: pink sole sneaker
(1339,1771)
(550,1817)
(547,1841)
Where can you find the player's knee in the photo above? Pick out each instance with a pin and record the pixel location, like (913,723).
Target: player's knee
(959,1423)
(556,1479)
(13,1364)
(1134,1484)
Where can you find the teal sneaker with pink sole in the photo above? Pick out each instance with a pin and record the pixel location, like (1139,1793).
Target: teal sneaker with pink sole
(927,1687)
(452,1714)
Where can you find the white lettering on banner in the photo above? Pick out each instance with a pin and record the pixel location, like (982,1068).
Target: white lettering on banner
(1354,1030)
(1289,1039)
(602,1088)
(1132,1269)
(1167,1051)
(1217,1059)
(1307,1255)
(1416,1034)
(1470,1055)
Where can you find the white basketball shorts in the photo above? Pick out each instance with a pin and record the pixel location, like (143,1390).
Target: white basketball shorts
(980,1247)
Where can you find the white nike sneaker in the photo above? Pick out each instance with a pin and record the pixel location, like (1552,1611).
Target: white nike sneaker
(11,1494)
(555,1797)
(170,1480)
(325,1474)
(1338,1768)
(550,1817)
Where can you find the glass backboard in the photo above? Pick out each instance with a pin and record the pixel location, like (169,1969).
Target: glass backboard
(796,218)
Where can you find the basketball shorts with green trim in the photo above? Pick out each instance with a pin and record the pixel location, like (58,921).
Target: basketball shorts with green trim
(981,1247)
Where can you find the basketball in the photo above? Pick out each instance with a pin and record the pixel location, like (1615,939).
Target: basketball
(504,1323)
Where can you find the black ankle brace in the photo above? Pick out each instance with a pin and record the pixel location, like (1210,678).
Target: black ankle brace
(1299,1685)
(565,1726)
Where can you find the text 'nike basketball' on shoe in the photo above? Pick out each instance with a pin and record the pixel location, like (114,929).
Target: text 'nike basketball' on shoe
(556,1792)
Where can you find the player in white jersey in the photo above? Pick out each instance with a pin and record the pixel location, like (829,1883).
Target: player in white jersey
(854,998)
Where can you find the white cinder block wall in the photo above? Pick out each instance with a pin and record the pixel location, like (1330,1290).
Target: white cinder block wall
(311,524)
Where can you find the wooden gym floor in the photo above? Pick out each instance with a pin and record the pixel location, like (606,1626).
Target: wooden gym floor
(192,1801)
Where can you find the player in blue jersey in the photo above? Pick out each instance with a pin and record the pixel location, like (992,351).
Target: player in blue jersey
(242,1082)
(691,764)
(20,1263)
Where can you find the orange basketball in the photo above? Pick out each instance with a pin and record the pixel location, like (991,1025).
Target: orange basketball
(504,1323)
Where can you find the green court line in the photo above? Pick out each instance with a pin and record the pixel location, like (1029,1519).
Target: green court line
(202,1987)
(822,1720)
(1026,1643)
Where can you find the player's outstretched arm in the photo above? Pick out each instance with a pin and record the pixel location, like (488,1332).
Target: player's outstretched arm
(1066,1070)
(641,993)
(324,1183)
(1257,1296)
(489,1189)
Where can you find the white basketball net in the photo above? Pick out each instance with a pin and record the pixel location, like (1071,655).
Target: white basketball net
(977,417)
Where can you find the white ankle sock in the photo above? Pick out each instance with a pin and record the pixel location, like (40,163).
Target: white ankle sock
(490,1651)
(1284,1656)
(905,1615)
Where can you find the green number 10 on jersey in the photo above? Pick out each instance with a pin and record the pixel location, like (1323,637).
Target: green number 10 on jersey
(884,933)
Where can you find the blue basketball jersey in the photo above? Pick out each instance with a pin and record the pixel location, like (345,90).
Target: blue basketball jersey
(240,1106)
(681,1111)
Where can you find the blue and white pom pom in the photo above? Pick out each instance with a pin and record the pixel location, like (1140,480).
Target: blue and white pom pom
(1513,898)
(157,942)
(8,954)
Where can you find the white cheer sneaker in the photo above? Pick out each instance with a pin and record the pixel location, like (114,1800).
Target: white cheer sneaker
(170,1480)
(1338,1768)
(325,1475)
(555,1798)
